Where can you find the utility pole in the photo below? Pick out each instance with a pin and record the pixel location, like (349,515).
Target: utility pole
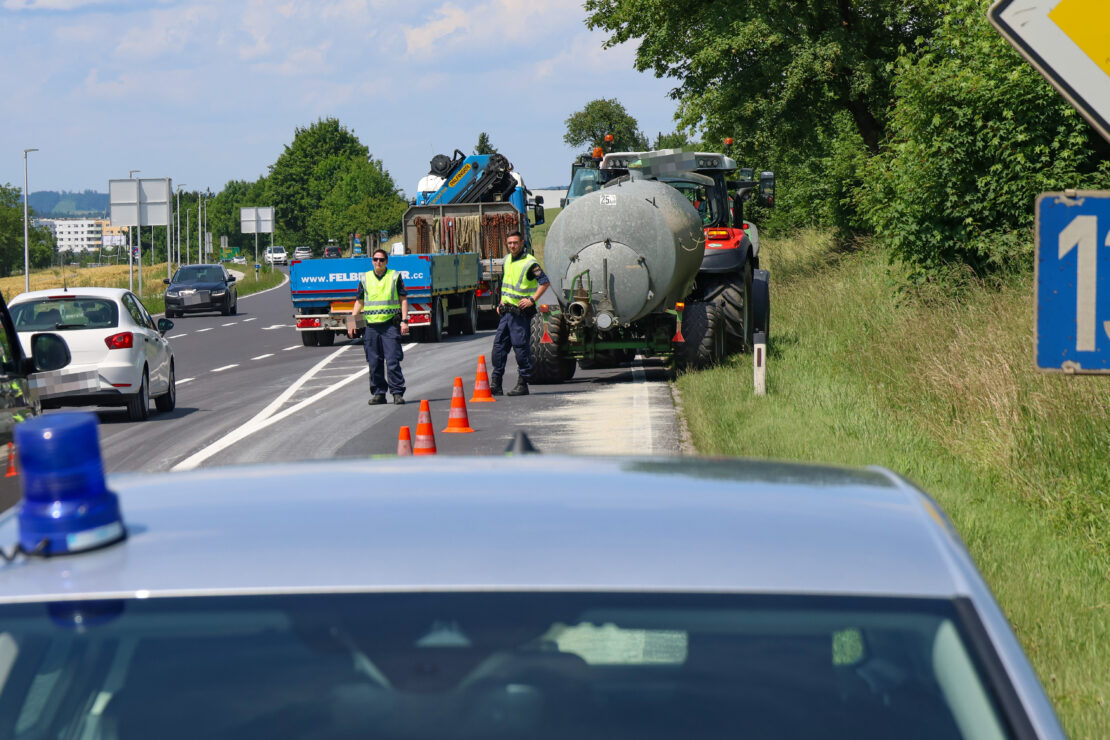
(26,229)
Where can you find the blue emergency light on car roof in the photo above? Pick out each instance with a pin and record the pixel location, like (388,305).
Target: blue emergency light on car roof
(67,507)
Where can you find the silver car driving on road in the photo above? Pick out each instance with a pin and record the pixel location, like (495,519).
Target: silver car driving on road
(526,596)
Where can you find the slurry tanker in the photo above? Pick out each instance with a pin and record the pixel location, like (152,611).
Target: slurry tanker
(627,265)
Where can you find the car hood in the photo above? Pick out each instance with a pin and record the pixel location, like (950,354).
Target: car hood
(197,286)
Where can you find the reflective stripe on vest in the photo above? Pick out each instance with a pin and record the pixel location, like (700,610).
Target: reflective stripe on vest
(379,297)
(516,283)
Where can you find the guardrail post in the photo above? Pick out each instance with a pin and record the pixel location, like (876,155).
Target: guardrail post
(759,362)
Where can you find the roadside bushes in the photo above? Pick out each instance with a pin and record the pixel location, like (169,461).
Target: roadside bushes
(975,134)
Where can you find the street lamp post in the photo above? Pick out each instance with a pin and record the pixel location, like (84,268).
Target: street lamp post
(26,229)
(130,249)
(179,224)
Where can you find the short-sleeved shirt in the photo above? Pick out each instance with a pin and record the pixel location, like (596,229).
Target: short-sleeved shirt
(537,274)
(400,288)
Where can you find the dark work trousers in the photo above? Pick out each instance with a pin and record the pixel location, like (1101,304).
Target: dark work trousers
(514,330)
(383,350)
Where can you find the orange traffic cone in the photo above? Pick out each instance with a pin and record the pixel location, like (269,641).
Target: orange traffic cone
(481,384)
(458,421)
(425,435)
(11,461)
(404,442)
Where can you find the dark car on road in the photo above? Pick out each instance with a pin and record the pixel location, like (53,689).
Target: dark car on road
(196,288)
(332,251)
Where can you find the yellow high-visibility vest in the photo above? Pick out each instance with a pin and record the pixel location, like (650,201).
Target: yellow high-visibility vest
(379,297)
(516,282)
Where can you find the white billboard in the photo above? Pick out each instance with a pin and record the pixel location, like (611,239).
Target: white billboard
(141,202)
(256,220)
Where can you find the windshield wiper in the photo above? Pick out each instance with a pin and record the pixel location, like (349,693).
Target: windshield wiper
(70,326)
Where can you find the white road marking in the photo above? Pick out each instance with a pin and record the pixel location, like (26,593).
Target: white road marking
(230,323)
(175,336)
(263,357)
(200,330)
(295,346)
(225,367)
(266,416)
(181,381)
(254,319)
(276,326)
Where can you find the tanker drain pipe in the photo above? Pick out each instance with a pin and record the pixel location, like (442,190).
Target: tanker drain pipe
(580,307)
(605,318)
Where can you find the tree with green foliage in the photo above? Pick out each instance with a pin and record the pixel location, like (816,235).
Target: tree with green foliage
(676,140)
(484,147)
(804,88)
(300,178)
(589,126)
(363,200)
(976,133)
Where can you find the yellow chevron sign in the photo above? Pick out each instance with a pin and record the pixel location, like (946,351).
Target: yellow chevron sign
(1068,41)
(1087,23)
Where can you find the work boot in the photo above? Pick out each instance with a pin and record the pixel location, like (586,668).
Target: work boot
(495,386)
(521,389)
(376,399)
(398,399)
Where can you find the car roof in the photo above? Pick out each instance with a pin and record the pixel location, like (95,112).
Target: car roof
(76,292)
(534,522)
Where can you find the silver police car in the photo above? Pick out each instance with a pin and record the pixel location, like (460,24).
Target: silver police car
(520,597)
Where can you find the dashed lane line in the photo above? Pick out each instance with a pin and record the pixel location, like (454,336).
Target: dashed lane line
(182,381)
(230,323)
(200,330)
(225,367)
(254,319)
(263,357)
(295,346)
(267,416)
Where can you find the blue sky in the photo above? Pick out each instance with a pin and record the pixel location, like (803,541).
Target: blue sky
(207,91)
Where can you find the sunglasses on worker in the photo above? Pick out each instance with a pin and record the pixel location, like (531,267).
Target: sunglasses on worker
(378,259)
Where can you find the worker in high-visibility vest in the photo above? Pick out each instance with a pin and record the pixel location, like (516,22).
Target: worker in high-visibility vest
(522,283)
(382,300)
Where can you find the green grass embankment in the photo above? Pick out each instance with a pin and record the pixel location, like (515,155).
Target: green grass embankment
(117,276)
(942,390)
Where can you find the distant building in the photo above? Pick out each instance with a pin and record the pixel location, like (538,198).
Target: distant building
(79,234)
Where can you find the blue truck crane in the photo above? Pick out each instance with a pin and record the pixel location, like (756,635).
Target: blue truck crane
(471,203)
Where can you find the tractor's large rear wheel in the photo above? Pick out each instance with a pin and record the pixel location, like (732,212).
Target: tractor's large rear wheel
(731,294)
(547,364)
(704,332)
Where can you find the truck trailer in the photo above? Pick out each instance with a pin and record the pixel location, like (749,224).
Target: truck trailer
(441,293)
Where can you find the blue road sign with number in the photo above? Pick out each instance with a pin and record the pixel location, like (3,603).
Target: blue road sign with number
(1073,281)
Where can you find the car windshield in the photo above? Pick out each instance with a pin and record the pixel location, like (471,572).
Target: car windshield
(64,314)
(199,274)
(459,665)
(700,198)
(585,180)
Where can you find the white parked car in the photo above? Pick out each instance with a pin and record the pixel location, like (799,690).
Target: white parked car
(276,256)
(120,356)
(302,253)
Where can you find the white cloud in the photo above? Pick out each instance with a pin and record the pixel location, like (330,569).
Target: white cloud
(586,53)
(49,4)
(504,23)
(302,62)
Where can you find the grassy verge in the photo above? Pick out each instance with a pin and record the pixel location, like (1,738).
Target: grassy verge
(116,276)
(539,233)
(944,392)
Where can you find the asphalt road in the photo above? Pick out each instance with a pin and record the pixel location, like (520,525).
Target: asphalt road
(250,392)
